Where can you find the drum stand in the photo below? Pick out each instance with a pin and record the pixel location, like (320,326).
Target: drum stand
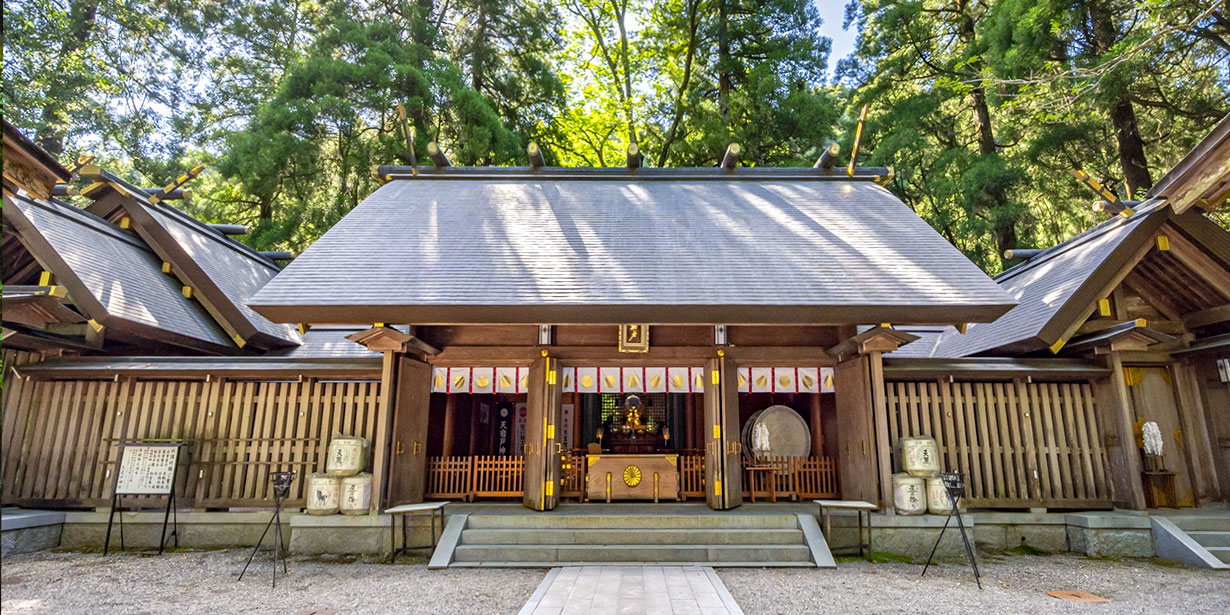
(954,484)
(281,487)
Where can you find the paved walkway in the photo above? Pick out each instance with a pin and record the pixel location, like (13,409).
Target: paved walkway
(640,590)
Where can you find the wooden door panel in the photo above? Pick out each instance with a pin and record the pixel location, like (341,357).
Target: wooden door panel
(408,468)
(1153,399)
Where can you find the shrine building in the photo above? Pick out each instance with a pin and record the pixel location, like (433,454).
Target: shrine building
(649,335)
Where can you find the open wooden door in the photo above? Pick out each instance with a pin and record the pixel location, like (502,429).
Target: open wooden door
(408,465)
(544,415)
(723,466)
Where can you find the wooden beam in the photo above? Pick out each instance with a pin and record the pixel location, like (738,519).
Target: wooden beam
(748,356)
(826,160)
(535,154)
(231,229)
(884,445)
(1199,262)
(1121,416)
(437,155)
(380,441)
(1207,317)
(450,425)
(634,157)
(730,159)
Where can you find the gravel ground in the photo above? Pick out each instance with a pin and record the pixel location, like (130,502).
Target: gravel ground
(204,582)
(1012,584)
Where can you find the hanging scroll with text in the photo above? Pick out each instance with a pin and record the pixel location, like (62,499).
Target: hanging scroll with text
(147,469)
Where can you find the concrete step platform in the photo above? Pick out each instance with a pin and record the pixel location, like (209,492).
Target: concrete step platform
(547,521)
(1221,553)
(625,536)
(1201,524)
(533,540)
(1211,539)
(629,553)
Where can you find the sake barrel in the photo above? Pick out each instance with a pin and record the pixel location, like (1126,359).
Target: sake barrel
(324,494)
(345,456)
(909,495)
(356,494)
(938,502)
(920,457)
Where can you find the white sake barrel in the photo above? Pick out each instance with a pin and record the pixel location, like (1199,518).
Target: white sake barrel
(920,457)
(356,494)
(938,502)
(324,494)
(909,495)
(345,456)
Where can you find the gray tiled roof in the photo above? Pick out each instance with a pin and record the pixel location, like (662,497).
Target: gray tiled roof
(1045,283)
(237,270)
(583,242)
(330,343)
(119,270)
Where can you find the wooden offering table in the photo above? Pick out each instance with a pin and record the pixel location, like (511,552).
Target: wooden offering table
(632,477)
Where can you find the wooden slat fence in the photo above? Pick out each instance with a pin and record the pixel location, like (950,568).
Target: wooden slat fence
(801,477)
(692,476)
(1019,444)
(61,437)
(450,478)
(499,476)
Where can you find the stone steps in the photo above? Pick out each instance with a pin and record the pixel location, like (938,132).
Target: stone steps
(625,536)
(631,522)
(1211,539)
(1201,540)
(488,540)
(657,553)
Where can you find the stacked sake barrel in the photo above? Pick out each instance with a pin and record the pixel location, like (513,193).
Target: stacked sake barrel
(344,486)
(919,488)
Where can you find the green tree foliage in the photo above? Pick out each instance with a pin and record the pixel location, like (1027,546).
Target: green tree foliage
(981,106)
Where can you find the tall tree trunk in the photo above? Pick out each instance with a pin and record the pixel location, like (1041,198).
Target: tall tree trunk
(478,60)
(1003,218)
(723,64)
(1131,148)
(629,113)
(693,23)
(81,17)
(1122,116)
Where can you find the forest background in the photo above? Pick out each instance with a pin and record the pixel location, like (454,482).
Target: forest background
(981,106)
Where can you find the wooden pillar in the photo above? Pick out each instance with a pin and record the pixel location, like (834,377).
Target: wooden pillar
(1121,420)
(473,427)
(723,454)
(884,446)
(380,443)
(817,430)
(542,455)
(450,425)
(689,417)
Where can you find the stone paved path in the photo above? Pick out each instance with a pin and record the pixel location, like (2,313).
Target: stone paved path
(640,590)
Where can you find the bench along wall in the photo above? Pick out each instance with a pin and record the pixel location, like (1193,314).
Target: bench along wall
(60,437)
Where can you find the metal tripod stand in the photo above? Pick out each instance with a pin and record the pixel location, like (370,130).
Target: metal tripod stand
(954,484)
(281,487)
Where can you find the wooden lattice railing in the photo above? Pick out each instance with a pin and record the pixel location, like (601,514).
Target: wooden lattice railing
(468,478)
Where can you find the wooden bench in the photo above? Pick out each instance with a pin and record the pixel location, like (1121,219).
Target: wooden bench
(826,508)
(429,508)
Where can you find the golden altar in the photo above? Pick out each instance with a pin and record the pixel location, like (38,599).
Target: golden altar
(632,477)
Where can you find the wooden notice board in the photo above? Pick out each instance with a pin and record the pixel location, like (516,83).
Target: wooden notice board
(147,469)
